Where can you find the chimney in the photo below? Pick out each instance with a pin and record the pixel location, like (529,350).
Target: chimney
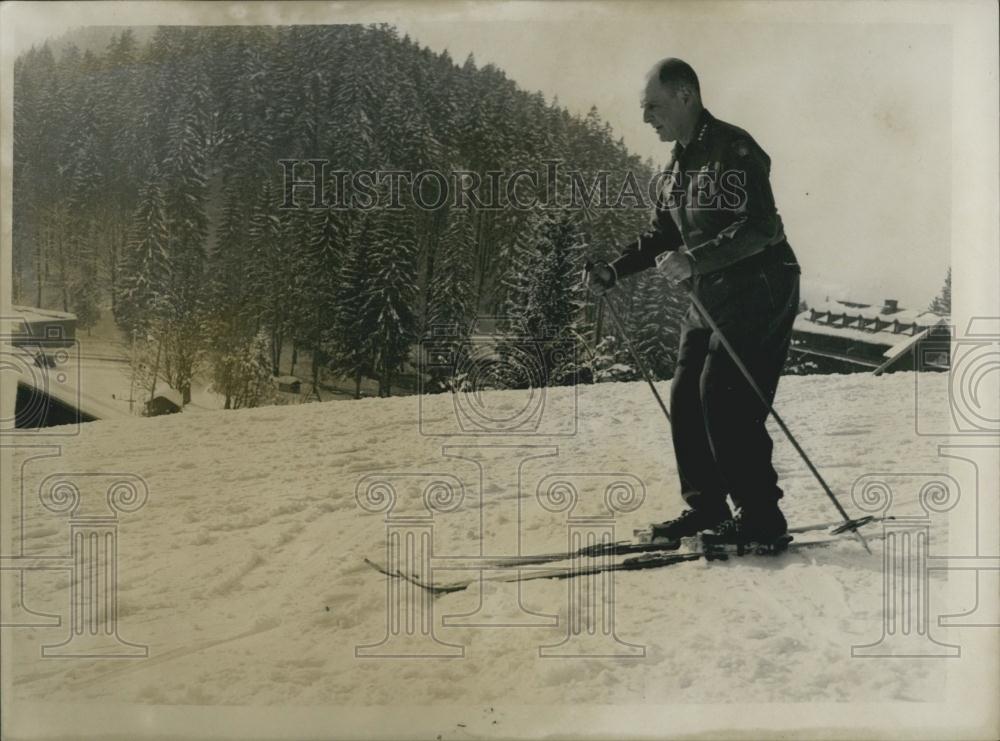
(891,306)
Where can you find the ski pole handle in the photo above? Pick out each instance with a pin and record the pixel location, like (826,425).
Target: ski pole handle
(599,277)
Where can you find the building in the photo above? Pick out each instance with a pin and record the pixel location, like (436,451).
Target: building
(288,384)
(852,337)
(42,328)
(166,401)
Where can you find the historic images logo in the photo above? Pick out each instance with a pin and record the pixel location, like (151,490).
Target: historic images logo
(46,372)
(93,503)
(308,183)
(957,501)
(504,493)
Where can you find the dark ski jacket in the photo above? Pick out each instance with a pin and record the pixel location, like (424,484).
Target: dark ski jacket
(714,202)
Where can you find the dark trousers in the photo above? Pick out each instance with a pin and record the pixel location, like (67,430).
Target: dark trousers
(719,433)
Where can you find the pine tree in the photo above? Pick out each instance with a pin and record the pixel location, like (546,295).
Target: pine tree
(232,322)
(241,370)
(543,302)
(659,306)
(85,176)
(185,194)
(271,268)
(448,311)
(116,90)
(350,342)
(942,302)
(450,300)
(146,265)
(392,298)
(315,257)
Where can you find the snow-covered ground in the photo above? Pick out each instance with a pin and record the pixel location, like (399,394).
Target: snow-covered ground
(244,571)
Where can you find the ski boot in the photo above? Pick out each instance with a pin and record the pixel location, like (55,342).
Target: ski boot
(761,530)
(690,522)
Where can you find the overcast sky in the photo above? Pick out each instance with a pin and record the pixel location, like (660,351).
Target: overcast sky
(856,116)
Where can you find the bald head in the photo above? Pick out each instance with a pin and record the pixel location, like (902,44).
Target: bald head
(676,75)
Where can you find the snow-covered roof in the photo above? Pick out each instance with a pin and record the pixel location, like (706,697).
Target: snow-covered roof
(870,313)
(921,319)
(836,307)
(33,314)
(170,395)
(839,318)
(882,337)
(912,325)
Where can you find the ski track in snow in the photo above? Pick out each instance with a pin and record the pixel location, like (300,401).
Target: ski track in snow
(244,575)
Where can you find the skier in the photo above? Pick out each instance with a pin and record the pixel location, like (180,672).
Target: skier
(715,230)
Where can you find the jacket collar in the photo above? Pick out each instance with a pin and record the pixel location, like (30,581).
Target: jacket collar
(702,126)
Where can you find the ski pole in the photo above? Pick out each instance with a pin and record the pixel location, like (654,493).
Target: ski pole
(777,418)
(635,356)
(620,328)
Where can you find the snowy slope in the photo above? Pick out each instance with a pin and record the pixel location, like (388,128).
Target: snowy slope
(244,575)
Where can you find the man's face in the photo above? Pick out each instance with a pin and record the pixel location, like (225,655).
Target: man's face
(663,109)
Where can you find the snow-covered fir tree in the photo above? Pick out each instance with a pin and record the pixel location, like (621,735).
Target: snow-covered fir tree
(185,194)
(450,310)
(392,294)
(319,242)
(271,267)
(942,302)
(544,297)
(241,371)
(146,263)
(350,340)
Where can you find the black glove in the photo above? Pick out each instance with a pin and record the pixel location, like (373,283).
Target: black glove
(599,277)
